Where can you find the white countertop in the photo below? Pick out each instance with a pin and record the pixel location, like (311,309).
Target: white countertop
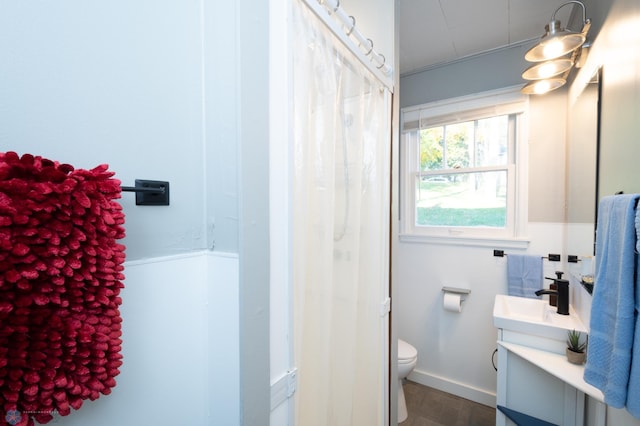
(556,365)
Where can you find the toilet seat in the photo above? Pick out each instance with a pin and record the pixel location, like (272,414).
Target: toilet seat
(406,353)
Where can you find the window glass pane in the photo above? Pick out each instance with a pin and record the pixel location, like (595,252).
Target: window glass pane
(492,141)
(477,143)
(432,148)
(458,145)
(462,200)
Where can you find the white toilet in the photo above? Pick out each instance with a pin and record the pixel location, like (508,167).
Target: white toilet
(407,358)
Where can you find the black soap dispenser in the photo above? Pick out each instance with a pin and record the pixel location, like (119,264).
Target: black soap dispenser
(553,298)
(563,296)
(561,291)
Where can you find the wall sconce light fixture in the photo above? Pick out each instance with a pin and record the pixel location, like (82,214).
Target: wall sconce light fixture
(555,54)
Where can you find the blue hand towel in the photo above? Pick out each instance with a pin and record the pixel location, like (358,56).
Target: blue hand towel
(633,395)
(633,392)
(524,275)
(613,305)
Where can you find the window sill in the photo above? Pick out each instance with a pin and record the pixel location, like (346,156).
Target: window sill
(513,243)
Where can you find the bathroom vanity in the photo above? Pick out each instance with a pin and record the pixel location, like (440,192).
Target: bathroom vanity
(534,376)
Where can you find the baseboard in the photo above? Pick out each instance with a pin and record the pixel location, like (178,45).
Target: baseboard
(463,390)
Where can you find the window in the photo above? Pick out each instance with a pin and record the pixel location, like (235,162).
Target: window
(462,166)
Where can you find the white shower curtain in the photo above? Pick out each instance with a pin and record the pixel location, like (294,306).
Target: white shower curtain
(340,231)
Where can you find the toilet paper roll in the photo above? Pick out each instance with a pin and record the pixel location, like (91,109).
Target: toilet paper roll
(452,302)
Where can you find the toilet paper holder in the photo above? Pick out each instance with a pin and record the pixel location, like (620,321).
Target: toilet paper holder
(461,291)
(453,298)
(456,290)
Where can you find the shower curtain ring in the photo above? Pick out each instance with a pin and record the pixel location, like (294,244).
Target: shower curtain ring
(383,60)
(335,9)
(371,48)
(352,26)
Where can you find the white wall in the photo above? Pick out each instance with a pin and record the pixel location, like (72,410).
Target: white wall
(114,83)
(281,309)
(221,118)
(375,20)
(172,373)
(455,349)
(223,340)
(124,84)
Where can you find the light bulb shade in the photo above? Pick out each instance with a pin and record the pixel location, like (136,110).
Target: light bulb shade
(547,69)
(540,87)
(555,43)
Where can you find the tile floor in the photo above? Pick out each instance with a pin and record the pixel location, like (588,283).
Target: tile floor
(431,407)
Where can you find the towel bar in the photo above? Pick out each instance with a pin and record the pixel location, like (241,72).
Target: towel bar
(552,257)
(138,189)
(150,192)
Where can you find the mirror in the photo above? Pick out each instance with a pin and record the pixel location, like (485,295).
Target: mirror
(582,174)
(619,149)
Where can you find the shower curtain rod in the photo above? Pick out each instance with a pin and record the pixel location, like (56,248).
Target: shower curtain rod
(364,51)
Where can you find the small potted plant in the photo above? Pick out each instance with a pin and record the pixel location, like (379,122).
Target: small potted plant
(575,349)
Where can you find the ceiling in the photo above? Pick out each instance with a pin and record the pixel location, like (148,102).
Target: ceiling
(435,32)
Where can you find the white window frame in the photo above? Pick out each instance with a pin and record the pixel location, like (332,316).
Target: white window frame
(487,104)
